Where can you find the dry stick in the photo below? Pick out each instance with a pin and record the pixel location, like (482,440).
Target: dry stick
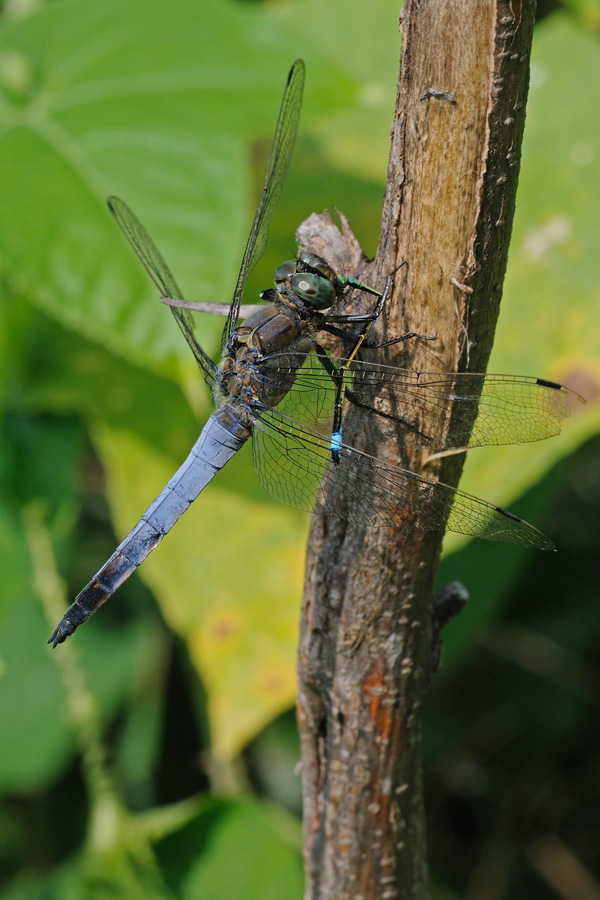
(365,647)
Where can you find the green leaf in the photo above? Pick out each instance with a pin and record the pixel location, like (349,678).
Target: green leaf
(552,290)
(586,11)
(246,858)
(151,102)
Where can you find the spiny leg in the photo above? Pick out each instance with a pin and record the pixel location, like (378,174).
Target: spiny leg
(372,345)
(353,398)
(342,372)
(339,375)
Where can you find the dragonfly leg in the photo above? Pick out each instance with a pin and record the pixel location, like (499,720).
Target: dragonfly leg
(347,281)
(399,340)
(339,376)
(350,320)
(342,373)
(335,375)
(375,345)
(402,420)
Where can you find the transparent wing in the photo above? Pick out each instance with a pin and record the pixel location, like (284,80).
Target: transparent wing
(294,464)
(508,409)
(279,161)
(160,274)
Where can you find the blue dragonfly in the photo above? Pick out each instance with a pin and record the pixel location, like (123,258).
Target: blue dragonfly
(277,385)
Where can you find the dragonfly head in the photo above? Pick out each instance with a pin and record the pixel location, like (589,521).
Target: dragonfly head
(311,279)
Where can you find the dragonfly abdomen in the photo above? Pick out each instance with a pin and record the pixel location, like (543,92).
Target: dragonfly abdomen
(221,438)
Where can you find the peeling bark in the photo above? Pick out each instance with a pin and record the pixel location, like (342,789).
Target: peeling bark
(366,637)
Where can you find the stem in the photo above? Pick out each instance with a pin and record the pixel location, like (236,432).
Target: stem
(81,706)
(366,644)
(118,846)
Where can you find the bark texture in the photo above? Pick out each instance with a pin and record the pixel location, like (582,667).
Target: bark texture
(365,652)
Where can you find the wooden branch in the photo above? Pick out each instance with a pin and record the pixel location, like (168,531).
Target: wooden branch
(365,650)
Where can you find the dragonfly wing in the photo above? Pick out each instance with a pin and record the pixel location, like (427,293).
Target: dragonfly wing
(279,161)
(312,391)
(294,464)
(506,409)
(160,274)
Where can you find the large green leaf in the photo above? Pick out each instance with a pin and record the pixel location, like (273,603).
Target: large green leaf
(549,314)
(149,101)
(247,858)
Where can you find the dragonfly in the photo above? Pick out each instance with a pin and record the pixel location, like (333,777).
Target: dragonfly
(277,385)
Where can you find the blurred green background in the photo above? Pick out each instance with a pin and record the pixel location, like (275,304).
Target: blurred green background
(154,755)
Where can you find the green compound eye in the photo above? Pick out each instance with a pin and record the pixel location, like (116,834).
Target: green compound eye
(310,261)
(314,289)
(285,271)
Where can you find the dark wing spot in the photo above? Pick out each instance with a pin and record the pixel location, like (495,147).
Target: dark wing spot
(508,514)
(549,384)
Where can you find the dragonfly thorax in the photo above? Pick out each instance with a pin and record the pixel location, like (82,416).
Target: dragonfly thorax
(263,356)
